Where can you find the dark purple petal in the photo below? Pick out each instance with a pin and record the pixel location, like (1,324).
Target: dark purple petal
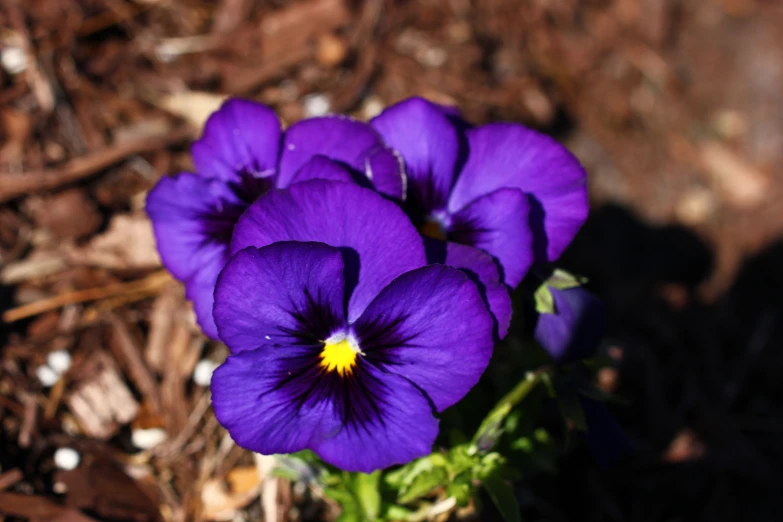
(283,295)
(574,331)
(241,137)
(508,155)
(432,327)
(193,218)
(321,167)
(376,238)
(385,169)
(483,271)
(497,224)
(200,290)
(271,400)
(336,137)
(280,401)
(386,421)
(429,143)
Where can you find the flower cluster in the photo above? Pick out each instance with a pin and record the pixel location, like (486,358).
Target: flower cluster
(359,273)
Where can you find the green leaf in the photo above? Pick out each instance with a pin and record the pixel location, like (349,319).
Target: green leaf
(562,280)
(559,280)
(461,458)
(423,484)
(545,303)
(490,464)
(404,476)
(502,494)
(395,512)
(351,510)
(461,491)
(367,492)
(523,444)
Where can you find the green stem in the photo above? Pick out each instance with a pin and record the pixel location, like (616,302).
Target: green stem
(490,430)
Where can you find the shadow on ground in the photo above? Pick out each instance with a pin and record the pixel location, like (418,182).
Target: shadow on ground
(702,381)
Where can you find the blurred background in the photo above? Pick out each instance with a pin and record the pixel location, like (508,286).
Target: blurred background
(674,107)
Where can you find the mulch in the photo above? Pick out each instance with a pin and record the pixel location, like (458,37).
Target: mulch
(674,108)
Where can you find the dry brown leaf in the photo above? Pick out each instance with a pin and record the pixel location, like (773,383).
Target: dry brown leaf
(192,106)
(128,244)
(39,263)
(221,502)
(740,183)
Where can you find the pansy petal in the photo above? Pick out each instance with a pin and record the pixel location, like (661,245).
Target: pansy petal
(482,270)
(377,239)
(321,167)
(285,294)
(385,169)
(509,155)
(193,218)
(386,421)
(242,136)
(575,329)
(266,400)
(336,137)
(200,290)
(422,133)
(497,224)
(432,327)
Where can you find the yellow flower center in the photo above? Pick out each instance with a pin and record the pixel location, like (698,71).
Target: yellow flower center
(339,356)
(432,229)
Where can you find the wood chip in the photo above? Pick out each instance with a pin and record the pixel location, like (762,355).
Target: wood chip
(161,326)
(103,402)
(102,486)
(38,508)
(125,349)
(68,214)
(685,446)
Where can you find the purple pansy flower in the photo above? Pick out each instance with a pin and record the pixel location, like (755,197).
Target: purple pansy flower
(242,154)
(573,328)
(510,191)
(569,331)
(342,339)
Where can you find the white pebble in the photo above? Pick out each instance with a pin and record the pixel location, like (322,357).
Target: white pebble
(46,375)
(372,107)
(59,361)
(316,105)
(202,374)
(14,60)
(148,438)
(66,458)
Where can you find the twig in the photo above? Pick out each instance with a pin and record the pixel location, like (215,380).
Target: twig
(147,286)
(126,350)
(9,478)
(15,185)
(28,421)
